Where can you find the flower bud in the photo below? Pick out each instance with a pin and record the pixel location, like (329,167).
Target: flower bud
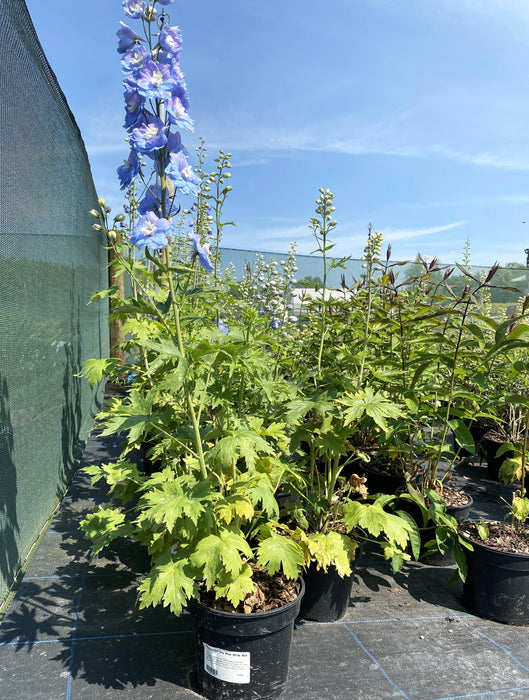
(119,217)
(150,13)
(112,235)
(98,227)
(101,202)
(96,214)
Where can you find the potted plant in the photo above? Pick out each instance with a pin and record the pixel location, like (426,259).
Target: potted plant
(331,512)
(203,394)
(497,582)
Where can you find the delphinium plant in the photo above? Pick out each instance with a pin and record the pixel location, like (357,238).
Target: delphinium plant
(202,389)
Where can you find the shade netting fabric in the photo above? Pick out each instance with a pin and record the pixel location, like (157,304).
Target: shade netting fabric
(50,262)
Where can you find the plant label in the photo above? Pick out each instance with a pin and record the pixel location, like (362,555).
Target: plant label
(230,666)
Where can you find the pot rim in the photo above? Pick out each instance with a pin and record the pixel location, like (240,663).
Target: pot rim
(494,550)
(197,605)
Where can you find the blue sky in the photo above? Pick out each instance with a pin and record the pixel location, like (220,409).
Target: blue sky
(413,112)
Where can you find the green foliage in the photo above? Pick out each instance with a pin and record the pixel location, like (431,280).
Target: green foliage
(103,526)
(95,369)
(390,365)
(169,583)
(483,530)
(278,553)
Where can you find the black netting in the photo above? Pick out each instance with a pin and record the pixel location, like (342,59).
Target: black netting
(50,262)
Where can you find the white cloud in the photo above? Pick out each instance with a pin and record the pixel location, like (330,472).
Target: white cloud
(393,136)
(349,238)
(405,234)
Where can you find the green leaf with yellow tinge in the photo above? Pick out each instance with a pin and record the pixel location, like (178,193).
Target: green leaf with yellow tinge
(235,506)
(235,588)
(170,583)
(95,369)
(332,549)
(520,508)
(511,470)
(258,488)
(104,525)
(277,552)
(122,478)
(373,518)
(220,553)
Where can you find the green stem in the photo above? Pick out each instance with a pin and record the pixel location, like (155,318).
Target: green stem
(187,393)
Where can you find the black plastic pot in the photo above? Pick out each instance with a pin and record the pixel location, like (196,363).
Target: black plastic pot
(490,447)
(327,594)
(381,482)
(497,585)
(461,513)
(244,656)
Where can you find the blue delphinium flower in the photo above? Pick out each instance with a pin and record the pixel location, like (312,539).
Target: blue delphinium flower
(170,39)
(172,145)
(177,113)
(135,9)
(151,201)
(276,323)
(150,136)
(155,80)
(165,2)
(127,38)
(201,251)
(133,108)
(129,170)
(151,231)
(134,59)
(182,174)
(222,326)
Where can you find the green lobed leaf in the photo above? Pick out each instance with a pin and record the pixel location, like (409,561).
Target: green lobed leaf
(278,552)
(95,369)
(217,554)
(373,518)
(235,588)
(170,583)
(104,525)
(245,444)
(234,506)
(173,500)
(332,549)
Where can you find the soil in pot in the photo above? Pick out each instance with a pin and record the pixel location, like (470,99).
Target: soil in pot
(497,582)
(246,655)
